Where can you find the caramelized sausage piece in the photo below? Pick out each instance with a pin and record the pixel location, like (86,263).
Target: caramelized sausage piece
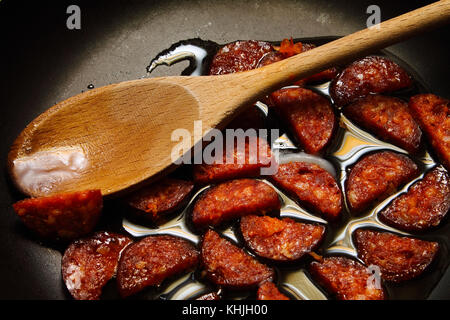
(243,162)
(280,239)
(64,216)
(346,279)
(399,258)
(228,265)
(388,118)
(372,74)
(308,114)
(153,259)
(432,114)
(89,263)
(161,198)
(269,291)
(288,49)
(250,118)
(239,56)
(377,176)
(234,199)
(313,186)
(424,205)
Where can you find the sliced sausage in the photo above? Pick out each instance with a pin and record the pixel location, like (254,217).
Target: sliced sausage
(153,259)
(432,114)
(424,205)
(287,49)
(377,176)
(280,239)
(64,216)
(250,118)
(372,74)
(399,258)
(239,56)
(269,291)
(313,186)
(243,162)
(161,198)
(233,199)
(309,116)
(229,266)
(270,58)
(89,263)
(388,118)
(346,279)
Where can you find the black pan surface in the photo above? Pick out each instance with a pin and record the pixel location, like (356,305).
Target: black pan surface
(43,62)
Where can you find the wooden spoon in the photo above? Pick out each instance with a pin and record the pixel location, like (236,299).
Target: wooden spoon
(114,137)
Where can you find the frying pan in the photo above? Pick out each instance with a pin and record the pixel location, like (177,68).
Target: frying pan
(43,62)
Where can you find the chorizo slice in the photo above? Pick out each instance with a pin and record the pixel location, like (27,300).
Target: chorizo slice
(229,266)
(153,259)
(287,49)
(372,74)
(161,198)
(239,56)
(250,118)
(89,263)
(346,279)
(309,116)
(64,216)
(243,162)
(424,205)
(432,114)
(388,118)
(399,258)
(280,239)
(269,291)
(377,176)
(233,199)
(313,186)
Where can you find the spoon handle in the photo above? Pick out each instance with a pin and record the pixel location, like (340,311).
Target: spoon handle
(348,48)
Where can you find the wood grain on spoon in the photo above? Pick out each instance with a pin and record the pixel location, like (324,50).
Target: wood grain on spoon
(123,131)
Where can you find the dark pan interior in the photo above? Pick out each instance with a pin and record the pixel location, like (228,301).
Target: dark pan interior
(42,62)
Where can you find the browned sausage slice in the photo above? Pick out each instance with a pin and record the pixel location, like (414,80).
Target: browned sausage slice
(280,239)
(239,56)
(153,259)
(287,49)
(373,74)
(399,258)
(243,162)
(308,114)
(89,263)
(250,118)
(269,291)
(424,205)
(161,198)
(229,266)
(388,118)
(377,176)
(64,216)
(313,186)
(346,279)
(233,199)
(432,114)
